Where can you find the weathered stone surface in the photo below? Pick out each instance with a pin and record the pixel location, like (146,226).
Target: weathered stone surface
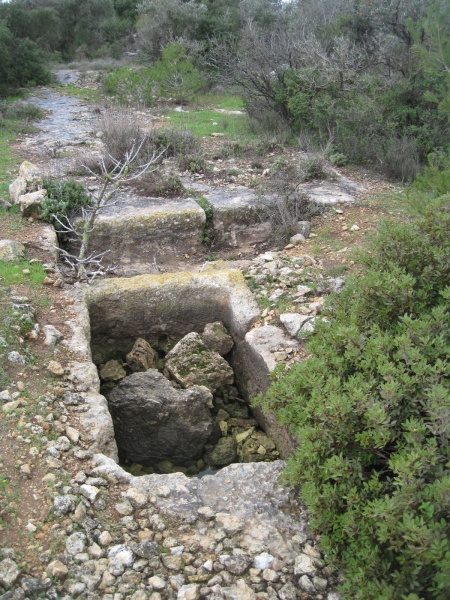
(9,573)
(97,424)
(297,239)
(63,505)
(11,251)
(329,192)
(253,361)
(29,180)
(55,368)
(30,172)
(239,591)
(230,523)
(304,565)
(288,592)
(137,230)
(258,446)
(57,569)
(141,357)
(236,565)
(155,422)
(190,591)
(216,337)
(172,305)
(52,335)
(224,453)
(76,543)
(120,558)
(30,204)
(112,371)
(190,363)
(236,213)
(295,322)
(16,189)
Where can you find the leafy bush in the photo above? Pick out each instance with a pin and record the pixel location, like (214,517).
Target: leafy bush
(313,168)
(371,411)
(173,75)
(64,198)
(20,111)
(130,85)
(22,63)
(176,75)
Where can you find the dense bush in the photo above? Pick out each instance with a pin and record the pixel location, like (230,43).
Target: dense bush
(130,85)
(174,75)
(64,199)
(371,411)
(22,63)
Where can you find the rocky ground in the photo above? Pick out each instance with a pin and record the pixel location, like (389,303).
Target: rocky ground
(72,524)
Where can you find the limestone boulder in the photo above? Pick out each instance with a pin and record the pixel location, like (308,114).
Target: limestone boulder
(216,337)
(29,180)
(11,251)
(112,371)
(16,189)
(141,357)
(191,362)
(155,422)
(30,204)
(30,172)
(224,453)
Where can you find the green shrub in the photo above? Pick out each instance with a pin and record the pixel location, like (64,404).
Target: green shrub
(371,412)
(22,62)
(209,233)
(64,198)
(130,85)
(312,168)
(176,75)
(20,111)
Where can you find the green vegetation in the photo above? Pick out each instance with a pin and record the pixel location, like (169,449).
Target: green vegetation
(13,273)
(370,409)
(209,234)
(64,199)
(129,84)
(206,122)
(15,116)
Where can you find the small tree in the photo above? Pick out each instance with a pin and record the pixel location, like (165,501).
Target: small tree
(86,264)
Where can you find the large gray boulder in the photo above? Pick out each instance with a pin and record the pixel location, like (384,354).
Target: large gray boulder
(31,203)
(29,180)
(11,251)
(155,422)
(190,363)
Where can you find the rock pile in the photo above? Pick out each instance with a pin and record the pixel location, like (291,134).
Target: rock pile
(279,280)
(160,427)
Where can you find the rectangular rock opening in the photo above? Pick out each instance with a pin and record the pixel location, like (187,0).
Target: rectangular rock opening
(164,345)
